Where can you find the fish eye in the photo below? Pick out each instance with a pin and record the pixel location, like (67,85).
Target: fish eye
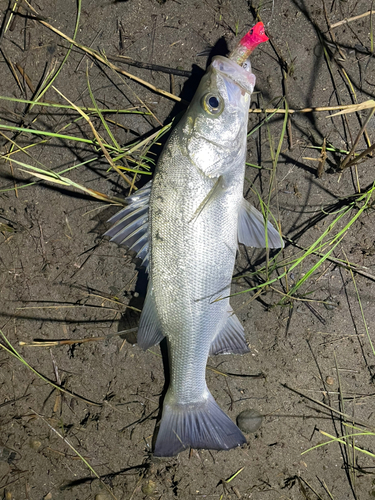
(213,104)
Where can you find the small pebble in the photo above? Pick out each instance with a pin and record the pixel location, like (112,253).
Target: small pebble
(149,487)
(330,380)
(330,304)
(249,420)
(103,496)
(4,453)
(35,444)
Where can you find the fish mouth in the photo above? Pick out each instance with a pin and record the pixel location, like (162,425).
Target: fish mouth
(241,76)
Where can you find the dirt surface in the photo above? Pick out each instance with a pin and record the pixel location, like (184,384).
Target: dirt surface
(59,279)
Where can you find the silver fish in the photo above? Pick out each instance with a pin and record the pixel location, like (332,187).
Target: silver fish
(185,225)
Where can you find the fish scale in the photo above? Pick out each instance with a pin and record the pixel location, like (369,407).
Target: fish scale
(185,225)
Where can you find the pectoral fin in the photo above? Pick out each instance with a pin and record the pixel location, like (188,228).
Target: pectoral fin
(252,231)
(231,339)
(214,192)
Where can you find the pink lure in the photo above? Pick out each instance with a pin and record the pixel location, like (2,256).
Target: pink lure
(248,43)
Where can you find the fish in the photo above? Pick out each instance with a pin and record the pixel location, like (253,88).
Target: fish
(185,226)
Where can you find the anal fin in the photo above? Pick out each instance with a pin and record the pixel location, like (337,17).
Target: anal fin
(231,339)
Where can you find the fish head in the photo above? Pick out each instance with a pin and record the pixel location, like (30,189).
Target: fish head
(215,125)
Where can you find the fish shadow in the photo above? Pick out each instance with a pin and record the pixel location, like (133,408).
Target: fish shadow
(191,84)
(129,321)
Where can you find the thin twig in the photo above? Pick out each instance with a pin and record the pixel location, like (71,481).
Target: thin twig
(320,403)
(359,157)
(351,108)
(346,160)
(350,19)
(53,343)
(12,69)
(322,159)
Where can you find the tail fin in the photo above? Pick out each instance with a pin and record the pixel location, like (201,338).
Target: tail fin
(199,425)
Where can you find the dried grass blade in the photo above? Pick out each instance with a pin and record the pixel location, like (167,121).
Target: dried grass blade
(58,179)
(103,60)
(97,137)
(354,108)
(77,453)
(11,350)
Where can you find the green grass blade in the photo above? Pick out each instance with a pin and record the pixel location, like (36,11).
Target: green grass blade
(362,312)
(334,439)
(67,106)
(115,143)
(313,269)
(47,134)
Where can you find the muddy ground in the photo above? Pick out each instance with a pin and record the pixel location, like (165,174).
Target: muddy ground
(310,362)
